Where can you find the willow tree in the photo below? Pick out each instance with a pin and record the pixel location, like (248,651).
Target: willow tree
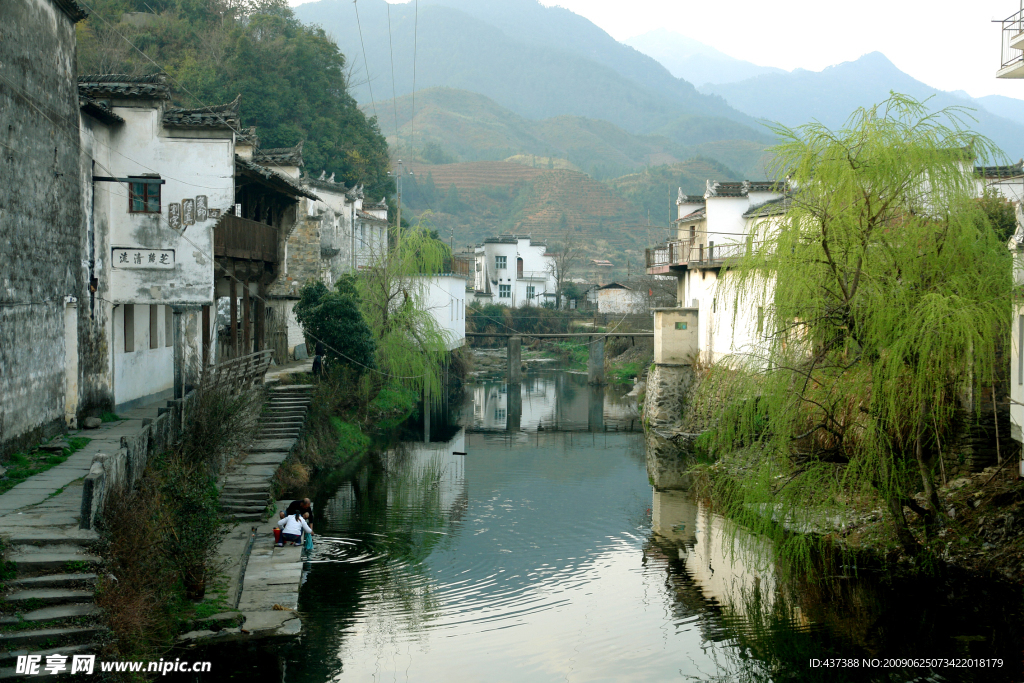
(885,292)
(394,289)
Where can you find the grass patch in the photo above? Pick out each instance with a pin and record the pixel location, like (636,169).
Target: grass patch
(108,416)
(21,466)
(625,373)
(351,440)
(573,352)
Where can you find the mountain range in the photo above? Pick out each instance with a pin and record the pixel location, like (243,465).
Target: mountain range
(694,61)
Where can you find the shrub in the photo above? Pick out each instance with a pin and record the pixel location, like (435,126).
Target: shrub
(334,318)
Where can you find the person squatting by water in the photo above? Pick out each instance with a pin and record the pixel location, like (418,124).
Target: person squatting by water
(292,527)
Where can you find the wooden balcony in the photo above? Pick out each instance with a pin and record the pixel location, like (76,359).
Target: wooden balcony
(241,238)
(677,255)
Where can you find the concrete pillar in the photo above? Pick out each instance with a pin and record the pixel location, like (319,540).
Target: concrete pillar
(515,360)
(595,361)
(179,353)
(246,306)
(514,414)
(595,409)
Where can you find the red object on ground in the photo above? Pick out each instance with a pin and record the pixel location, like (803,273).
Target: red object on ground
(277,535)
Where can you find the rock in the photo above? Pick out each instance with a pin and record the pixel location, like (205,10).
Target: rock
(92,423)
(56,446)
(959,483)
(300,352)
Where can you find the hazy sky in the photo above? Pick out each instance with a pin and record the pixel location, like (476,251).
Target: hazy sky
(946,44)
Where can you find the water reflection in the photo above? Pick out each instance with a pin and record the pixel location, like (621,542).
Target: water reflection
(552,401)
(528,545)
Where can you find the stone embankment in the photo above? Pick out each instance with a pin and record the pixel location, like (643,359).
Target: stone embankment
(246,490)
(668,446)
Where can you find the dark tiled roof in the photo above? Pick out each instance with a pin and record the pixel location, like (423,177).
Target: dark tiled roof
(772,207)
(280,156)
(765,186)
(1011,171)
(370,217)
(377,206)
(690,199)
(247,136)
(698,215)
(98,110)
(71,8)
(219,116)
(743,188)
(102,86)
(328,185)
(501,239)
(272,178)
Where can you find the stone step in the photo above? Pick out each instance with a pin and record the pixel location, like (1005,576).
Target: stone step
(245,484)
(49,596)
(11,656)
(42,537)
(28,564)
(63,612)
(286,411)
(289,401)
(243,509)
(72,635)
(52,581)
(240,517)
(228,497)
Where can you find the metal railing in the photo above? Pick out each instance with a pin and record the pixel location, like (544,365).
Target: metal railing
(532,275)
(241,238)
(691,252)
(1012,27)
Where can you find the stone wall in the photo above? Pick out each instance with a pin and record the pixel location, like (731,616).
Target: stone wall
(668,448)
(303,262)
(40,214)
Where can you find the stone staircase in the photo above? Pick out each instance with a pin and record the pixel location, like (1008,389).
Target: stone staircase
(246,488)
(49,606)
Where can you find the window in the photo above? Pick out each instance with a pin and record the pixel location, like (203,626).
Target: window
(129,328)
(154,327)
(680,326)
(499,414)
(143,197)
(478,266)
(504,291)
(530,291)
(500,262)
(168,326)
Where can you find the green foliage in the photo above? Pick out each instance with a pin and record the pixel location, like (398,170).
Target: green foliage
(1001,214)
(108,416)
(886,293)
(452,203)
(625,373)
(21,466)
(334,318)
(351,440)
(291,76)
(411,349)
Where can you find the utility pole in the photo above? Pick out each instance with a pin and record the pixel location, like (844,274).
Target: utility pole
(398,223)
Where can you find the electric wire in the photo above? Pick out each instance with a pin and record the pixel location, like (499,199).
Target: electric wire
(366,64)
(394,88)
(415,43)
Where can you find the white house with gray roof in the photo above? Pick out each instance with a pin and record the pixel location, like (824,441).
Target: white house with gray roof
(513,270)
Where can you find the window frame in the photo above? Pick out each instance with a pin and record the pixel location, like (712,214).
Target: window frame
(504,291)
(148,194)
(500,262)
(531,291)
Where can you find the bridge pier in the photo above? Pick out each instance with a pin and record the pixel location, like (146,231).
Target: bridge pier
(515,360)
(595,361)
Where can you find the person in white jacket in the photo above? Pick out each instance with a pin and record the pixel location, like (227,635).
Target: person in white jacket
(292,527)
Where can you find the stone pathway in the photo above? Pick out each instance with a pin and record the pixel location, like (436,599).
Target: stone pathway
(246,487)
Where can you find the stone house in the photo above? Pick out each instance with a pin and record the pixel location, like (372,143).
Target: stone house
(41,244)
(156,179)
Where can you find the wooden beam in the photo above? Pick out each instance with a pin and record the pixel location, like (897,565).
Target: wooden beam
(246,336)
(560,336)
(234,314)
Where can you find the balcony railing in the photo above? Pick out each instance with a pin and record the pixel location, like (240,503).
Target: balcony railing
(242,238)
(692,253)
(1013,41)
(532,275)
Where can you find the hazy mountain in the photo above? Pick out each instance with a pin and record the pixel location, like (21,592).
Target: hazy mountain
(1007,107)
(830,95)
(694,61)
(468,126)
(537,62)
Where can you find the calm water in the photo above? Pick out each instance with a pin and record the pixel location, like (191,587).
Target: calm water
(521,541)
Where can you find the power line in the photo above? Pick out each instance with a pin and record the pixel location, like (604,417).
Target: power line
(415,42)
(366,64)
(394,89)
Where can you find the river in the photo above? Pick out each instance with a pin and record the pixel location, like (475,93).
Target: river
(519,540)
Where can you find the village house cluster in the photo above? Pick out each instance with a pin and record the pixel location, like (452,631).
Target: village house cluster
(143,242)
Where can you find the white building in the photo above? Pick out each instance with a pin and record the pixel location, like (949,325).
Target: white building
(636,296)
(711,232)
(445,297)
(158,179)
(511,270)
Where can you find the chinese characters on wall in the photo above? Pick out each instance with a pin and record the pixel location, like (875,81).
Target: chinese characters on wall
(190,211)
(143,258)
